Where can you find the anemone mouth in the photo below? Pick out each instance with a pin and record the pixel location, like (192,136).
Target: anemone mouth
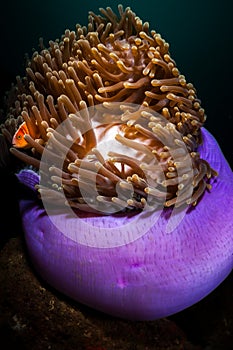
(120,66)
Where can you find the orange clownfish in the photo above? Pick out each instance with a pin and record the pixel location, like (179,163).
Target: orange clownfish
(18,140)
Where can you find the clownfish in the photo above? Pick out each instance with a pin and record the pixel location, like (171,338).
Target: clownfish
(18,140)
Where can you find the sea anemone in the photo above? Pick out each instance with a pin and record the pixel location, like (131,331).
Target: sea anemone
(126,209)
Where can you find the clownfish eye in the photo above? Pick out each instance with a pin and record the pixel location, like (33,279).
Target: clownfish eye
(19,137)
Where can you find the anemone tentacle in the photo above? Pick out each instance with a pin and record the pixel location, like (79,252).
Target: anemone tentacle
(115,59)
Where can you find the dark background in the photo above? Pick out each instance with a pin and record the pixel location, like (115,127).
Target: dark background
(199,33)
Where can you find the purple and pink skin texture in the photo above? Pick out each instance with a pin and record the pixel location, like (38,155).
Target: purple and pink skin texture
(155,276)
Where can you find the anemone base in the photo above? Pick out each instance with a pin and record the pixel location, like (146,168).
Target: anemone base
(33,315)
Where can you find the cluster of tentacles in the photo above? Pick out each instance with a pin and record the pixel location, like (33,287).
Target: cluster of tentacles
(112,80)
